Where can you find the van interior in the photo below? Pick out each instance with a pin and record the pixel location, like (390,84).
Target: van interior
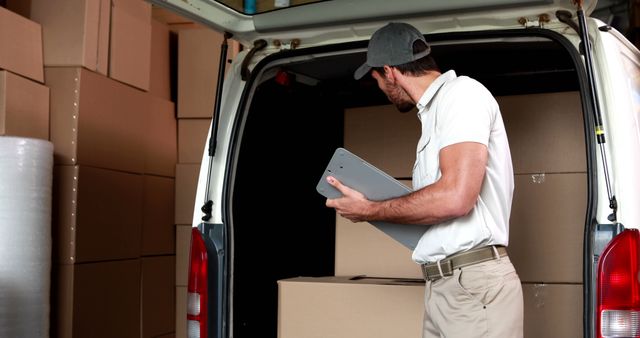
(304,103)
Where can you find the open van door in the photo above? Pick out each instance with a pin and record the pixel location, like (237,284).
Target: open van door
(264,29)
(317,22)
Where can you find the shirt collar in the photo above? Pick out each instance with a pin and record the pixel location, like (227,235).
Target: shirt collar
(433,89)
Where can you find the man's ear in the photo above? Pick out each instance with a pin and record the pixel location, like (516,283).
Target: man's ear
(389,73)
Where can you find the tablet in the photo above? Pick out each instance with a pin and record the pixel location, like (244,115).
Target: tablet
(376,185)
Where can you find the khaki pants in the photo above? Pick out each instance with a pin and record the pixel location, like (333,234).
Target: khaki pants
(481,300)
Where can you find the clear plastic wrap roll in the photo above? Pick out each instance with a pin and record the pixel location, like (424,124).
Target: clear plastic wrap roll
(26,173)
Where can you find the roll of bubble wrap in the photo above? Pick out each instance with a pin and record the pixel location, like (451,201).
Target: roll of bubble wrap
(26,171)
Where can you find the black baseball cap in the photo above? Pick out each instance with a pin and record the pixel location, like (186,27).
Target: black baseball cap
(392,45)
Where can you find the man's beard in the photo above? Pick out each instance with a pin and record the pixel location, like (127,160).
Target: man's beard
(399,97)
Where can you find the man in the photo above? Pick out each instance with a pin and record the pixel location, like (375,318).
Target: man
(463,187)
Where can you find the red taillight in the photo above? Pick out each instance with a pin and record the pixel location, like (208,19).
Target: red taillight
(197,288)
(619,287)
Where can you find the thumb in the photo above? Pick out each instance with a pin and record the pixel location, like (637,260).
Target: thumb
(337,184)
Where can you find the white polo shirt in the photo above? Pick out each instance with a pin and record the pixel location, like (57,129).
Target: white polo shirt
(458,109)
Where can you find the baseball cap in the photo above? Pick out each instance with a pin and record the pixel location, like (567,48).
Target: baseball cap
(392,45)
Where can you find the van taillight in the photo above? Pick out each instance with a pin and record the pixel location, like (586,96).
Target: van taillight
(197,288)
(619,287)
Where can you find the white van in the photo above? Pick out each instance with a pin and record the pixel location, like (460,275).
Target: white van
(572,113)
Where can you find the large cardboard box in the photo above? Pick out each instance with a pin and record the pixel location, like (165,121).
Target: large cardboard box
(20,45)
(192,139)
(158,234)
(97,214)
(384,137)
(158,296)
(186,186)
(552,310)
(24,107)
(75,32)
(343,307)
(198,53)
(160,66)
(160,134)
(98,300)
(362,249)
(545,137)
(97,121)
(130,44)
(183,247)
(547,227)
(545,238)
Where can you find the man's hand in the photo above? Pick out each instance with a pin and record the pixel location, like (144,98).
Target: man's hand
(353,205)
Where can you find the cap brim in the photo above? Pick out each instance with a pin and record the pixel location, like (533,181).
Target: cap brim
(362,71)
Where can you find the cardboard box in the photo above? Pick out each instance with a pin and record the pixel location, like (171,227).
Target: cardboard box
(186,186)
(183,247)
(181,312)
(160,61)
(97,121)
(20,45)
(97,214)
(198,60)
(552,310)
(362,249)
(158,296)
(367,134)
(160,134)
(192,139)
(76,32)
(344,307)
(158,235)
(24,107)
(546,132)
(100,300)
(547,227)
(130,48)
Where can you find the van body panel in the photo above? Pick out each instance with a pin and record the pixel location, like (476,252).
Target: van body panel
(232,91)
(619,84)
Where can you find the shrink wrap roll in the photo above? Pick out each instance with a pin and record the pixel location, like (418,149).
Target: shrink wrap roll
(26,171)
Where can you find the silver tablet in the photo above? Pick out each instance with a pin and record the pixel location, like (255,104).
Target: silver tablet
(376,185)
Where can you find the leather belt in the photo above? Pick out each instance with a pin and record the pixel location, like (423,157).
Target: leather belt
(445,267)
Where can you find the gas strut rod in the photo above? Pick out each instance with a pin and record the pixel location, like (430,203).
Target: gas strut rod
(213,138)
(600,137)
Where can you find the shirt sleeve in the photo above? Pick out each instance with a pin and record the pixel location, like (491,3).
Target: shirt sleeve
(466,113)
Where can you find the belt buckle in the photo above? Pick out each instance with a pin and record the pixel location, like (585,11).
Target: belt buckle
(443,268)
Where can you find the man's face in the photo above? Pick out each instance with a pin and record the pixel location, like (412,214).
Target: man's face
(395,93)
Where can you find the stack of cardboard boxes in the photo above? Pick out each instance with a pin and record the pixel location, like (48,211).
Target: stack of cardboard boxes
(546,230)
(113,126)
(24,100)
